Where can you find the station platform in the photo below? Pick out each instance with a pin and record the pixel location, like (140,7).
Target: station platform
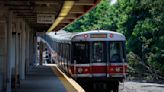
(48,78)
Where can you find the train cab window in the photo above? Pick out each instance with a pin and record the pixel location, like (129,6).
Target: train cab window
(98,52)
(81,52)
(116,52)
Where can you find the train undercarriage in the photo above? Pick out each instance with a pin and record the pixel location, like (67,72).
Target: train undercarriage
(100,84)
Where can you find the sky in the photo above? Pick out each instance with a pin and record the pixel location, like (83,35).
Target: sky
(113,1)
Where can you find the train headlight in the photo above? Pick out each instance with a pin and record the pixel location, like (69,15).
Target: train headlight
(111,69)
(85,35)
(85,70)
(111,35)
(80,70)
(118,69)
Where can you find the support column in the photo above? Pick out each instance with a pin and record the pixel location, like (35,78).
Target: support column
(27,49)
(30,46)
(2,53)
(20,47)
(34,49)
(13,58)
(17,55)
(41,53)
(17,80)
(3,50)
(14,63)
(22,62)
(37,52)
(9,53)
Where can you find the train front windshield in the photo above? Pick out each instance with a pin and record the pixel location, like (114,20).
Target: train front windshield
(104,51)
(116,53)
(98,52)
(101,52)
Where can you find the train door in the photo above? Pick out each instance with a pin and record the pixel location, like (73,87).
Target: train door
(81,58)
(98,59)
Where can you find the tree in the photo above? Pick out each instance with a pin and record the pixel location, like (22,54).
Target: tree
(141,21)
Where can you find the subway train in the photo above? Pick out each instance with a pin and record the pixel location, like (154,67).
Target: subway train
(94,58)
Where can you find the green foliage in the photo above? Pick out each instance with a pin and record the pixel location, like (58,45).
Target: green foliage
(95,19)
(136,67)
(141,21)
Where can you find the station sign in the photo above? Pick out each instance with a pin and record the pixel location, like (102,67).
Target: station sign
(45,18)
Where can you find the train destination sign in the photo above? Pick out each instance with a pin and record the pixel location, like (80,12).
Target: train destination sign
(98,36)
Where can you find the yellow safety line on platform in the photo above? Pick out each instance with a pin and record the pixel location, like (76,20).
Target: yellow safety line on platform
(69,84)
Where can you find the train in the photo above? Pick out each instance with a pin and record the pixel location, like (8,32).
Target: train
(95,58)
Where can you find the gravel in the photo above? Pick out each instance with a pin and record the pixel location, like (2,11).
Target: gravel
(140,87)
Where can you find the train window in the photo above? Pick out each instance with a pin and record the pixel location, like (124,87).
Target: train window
(69,51)
(81,52)
(116,52)
(60,49)
(98,52)
(64,54)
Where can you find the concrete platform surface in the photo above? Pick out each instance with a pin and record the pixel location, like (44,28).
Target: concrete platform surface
(41,79)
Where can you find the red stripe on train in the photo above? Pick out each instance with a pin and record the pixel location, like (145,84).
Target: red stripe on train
(117,69)
(98,69)
(80,70)
(114,69)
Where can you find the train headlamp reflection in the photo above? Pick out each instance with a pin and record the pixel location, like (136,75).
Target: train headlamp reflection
(85,35)
(80,70)
(111,35)
(118,69)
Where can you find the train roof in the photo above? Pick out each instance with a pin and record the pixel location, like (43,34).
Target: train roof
(63,36)
(99,31)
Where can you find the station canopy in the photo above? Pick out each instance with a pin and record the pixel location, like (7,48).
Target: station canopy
(49,15)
